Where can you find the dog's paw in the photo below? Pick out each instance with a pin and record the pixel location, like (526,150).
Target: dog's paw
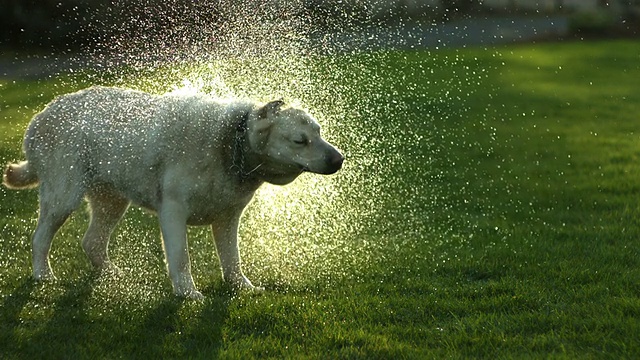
(191,294)
(241,283)
(194,295)
(108,269)
(43,275)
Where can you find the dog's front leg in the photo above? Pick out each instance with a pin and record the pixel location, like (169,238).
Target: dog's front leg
(225,233)
(173,223)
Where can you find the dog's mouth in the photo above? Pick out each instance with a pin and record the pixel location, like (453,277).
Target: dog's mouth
(327,170)
(331,164)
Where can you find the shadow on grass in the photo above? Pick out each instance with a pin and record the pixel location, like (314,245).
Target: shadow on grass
(73,321)
(13,304)
(177,328)
(181,328)
(27,332)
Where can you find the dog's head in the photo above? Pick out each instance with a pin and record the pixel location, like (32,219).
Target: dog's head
(288,142)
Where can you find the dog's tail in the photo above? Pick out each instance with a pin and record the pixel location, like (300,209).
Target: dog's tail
(20,176)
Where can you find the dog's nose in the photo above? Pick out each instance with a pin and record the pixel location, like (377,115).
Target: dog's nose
(336,159)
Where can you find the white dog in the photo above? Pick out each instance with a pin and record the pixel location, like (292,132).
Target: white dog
(191,160)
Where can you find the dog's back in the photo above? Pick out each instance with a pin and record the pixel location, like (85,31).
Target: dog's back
(123,138)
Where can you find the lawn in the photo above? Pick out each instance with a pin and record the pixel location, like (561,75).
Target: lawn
(488,208)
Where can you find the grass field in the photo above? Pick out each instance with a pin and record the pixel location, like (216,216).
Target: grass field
(488,208)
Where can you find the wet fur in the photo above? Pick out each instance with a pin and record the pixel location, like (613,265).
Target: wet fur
(172,154)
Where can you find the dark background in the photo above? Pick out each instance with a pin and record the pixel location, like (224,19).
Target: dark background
(69,25)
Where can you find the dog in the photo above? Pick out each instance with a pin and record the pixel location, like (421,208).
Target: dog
(188,158)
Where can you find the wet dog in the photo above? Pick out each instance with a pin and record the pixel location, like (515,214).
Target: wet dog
(190,159)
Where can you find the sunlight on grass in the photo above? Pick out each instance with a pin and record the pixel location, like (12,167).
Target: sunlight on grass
(487,208)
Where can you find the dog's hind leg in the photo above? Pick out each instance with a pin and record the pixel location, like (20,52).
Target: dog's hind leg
(107,208)
(56,204)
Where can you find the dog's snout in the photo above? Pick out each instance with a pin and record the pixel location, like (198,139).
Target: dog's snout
(334,160)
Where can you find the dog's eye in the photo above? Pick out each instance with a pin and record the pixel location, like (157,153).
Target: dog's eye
(301,141)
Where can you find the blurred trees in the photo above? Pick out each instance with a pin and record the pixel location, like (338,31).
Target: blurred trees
(70,24)
(66,25)
(37,23)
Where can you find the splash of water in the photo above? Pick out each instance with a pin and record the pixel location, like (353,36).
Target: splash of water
(319,228)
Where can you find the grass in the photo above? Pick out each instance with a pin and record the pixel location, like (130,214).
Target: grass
(489,209)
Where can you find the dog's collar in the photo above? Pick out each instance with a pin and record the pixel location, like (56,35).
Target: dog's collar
(239,151)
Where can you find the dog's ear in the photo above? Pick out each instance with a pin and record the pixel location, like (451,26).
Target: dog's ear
(270,109)
(262,125)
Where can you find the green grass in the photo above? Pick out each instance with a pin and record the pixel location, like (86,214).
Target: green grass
(488,209)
